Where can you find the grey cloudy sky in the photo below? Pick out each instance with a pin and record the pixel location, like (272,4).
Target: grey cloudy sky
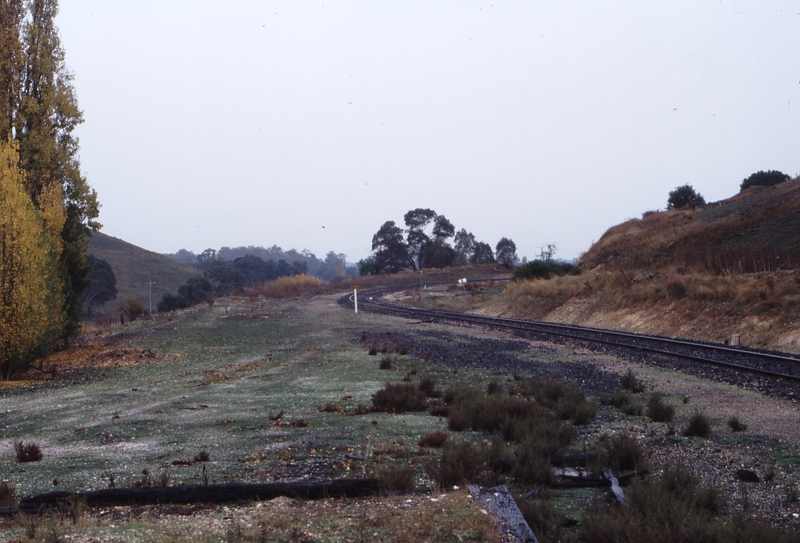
(211,123)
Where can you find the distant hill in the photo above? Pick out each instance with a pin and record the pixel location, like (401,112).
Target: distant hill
(757,230)
(134,267)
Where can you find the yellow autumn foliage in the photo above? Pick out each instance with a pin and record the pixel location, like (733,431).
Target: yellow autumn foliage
(31,315)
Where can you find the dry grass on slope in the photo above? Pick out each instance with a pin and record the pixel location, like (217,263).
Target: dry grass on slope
(761,307)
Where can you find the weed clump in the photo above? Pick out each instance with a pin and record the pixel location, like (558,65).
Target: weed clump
(386,363)
(567,402)
(621,453)
(428,387)
(435,439)
(676,507)
(657,410)
(8,496)
(459,463)
(736,425)
(373,351)
(27,452)
(623,401)
(699,426)
(399,398)
(630,382)
(394,477)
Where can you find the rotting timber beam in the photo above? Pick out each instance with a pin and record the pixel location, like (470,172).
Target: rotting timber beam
(222,493)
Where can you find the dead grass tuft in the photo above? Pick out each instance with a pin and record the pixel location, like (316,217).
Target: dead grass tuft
(27,452)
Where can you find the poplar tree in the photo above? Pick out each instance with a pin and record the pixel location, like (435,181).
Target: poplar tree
(46,116)
(31,316)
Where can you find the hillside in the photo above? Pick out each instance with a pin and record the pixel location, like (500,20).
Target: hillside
(732,267)
(134,267)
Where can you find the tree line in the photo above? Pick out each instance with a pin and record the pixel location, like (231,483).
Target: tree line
(47,208)
(224,276)
(425,243)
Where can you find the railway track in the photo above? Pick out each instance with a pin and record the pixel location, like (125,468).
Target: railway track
(774,366)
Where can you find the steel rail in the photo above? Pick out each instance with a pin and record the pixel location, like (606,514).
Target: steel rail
(596,335)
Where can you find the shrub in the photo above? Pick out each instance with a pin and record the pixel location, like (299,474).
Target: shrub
(394,477)
(736,425)
(684,196)
(620,452)
(202,456)
(545,269)
(399,398)
(629,381)
(373,351)
(494,388)
(8,496)
(459,463)
(566,401)
(386,363)
(699,426)
(543,519)
(622,400)
(676,507)
(27,452)
(657,410)
(762,178)
(428,387)
(531,467)
(435,439)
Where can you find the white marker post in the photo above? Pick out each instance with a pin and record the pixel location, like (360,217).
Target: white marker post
(355,296)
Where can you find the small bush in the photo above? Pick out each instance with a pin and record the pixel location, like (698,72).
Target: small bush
(8,496)
(657,410)
(567,402)
(543,519)
(675,507)
(545,269)
(623,401)
(494,388)
(386,363)
(699,426)
(630,382)
(202,456)
(736,425)
(373,351)
(435,439)
(428,387)
(399,398)
(460,463)
(27,452)
(621,453)
(394,477)
(456,420)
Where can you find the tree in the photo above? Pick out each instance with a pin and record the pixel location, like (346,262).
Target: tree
(483,254)
(391,251)
(11,64)
(103,287)
(762,178)
(195,290)
(464,245)
(506,252)
(547,252)
(31,317)
(683,196)
(416,221)
(442,229)
(45,117)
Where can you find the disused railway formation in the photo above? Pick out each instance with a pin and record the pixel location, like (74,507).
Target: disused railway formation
(774,372)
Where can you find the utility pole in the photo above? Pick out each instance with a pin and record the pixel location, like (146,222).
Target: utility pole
(151,296)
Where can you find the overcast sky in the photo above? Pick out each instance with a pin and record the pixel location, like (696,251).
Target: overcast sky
(309,124)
